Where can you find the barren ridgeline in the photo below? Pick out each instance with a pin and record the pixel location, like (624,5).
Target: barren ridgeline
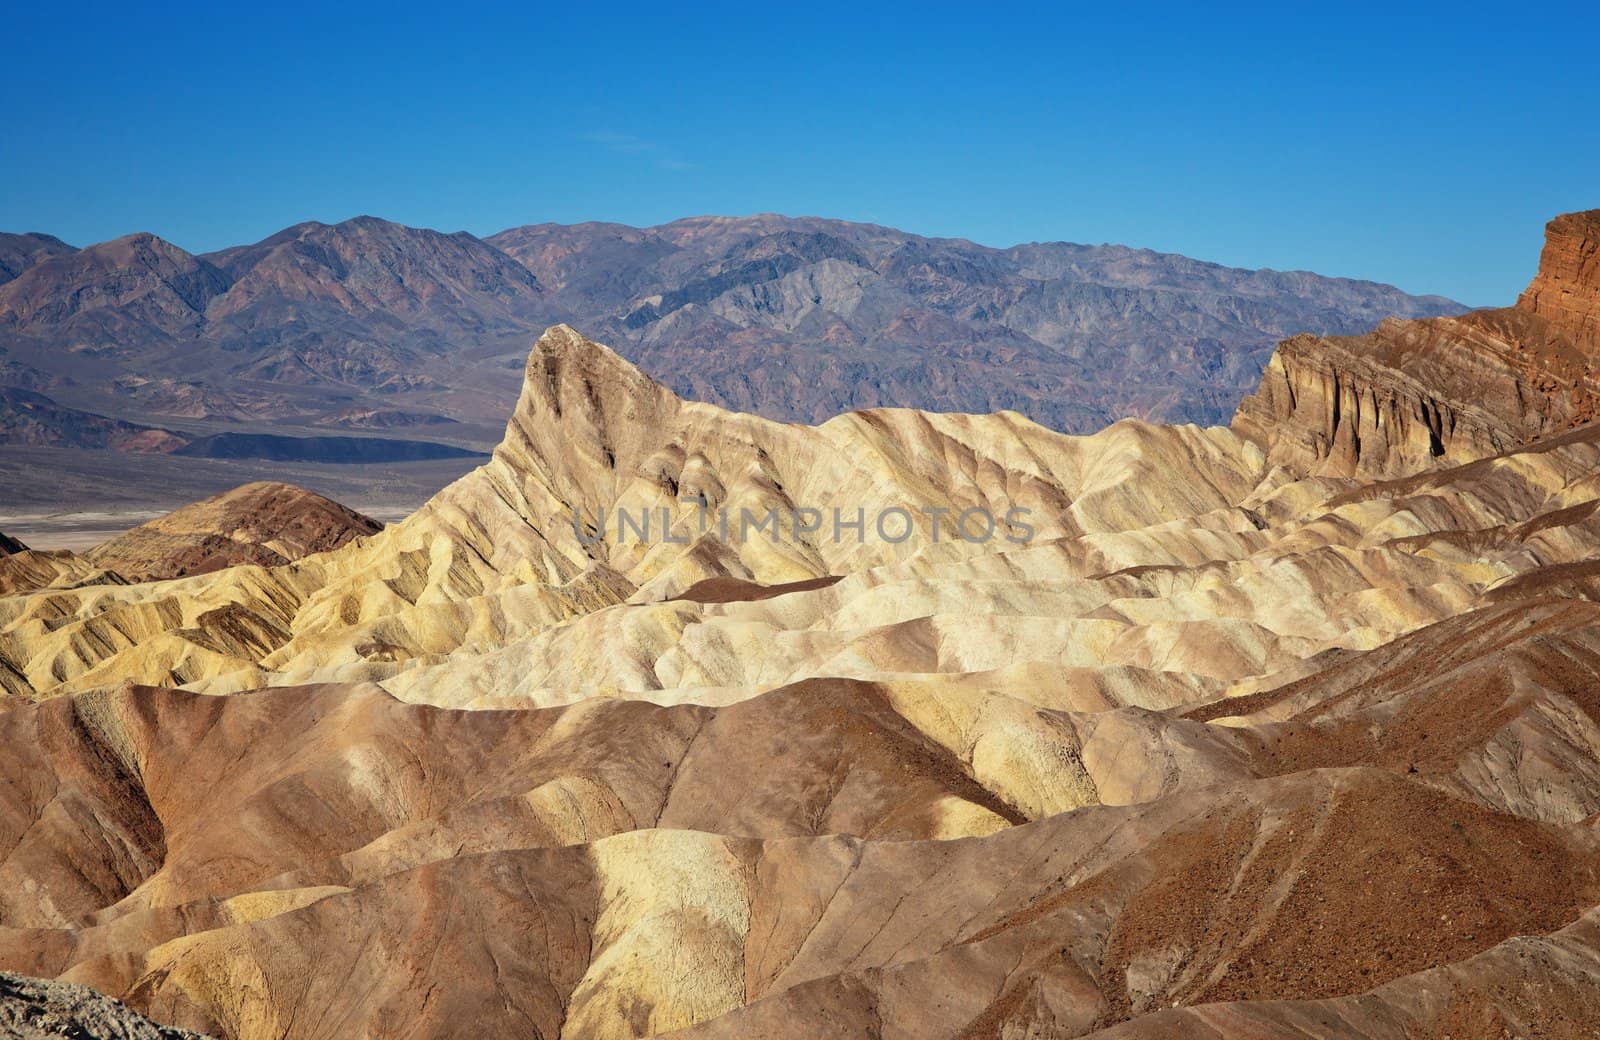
(1286,729)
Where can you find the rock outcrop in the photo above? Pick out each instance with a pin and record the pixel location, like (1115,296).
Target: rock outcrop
(265,523)
(1566,291)
(10,545)
(1441,391)
(37,1009)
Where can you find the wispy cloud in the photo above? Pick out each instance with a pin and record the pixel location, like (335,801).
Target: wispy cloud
(625,144)
(629,144)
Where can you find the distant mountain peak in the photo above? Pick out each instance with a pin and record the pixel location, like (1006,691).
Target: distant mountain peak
(18,252)
(794,318)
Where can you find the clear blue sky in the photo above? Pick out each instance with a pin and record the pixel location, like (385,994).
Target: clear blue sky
(1423,146)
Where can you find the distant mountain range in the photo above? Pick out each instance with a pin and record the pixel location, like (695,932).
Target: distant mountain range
(369,325)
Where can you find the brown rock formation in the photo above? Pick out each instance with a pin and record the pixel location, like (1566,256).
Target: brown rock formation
(1223,751)
(264,523)
(37,1009)
(1566,291)
(10,545)
(1440,391)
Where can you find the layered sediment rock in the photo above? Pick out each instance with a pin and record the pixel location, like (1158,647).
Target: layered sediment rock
(1440,391)
(265,523)
(1224,750)
(1566,291)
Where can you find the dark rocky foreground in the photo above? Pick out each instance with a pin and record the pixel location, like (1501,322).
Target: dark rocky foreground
(34,1009)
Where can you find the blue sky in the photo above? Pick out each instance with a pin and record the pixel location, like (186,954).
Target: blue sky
(1423,146)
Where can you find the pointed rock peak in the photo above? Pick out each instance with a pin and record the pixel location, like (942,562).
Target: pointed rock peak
(8,545)
(564,361)
(140,249)
(580,398)
(1566,291)
(368,221)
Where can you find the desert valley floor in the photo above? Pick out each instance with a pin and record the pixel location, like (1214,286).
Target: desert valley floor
(1286,729)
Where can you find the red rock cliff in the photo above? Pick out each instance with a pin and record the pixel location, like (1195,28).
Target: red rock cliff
(1411,395)
(1566,291)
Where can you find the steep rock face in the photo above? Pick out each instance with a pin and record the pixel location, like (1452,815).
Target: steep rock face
(264,523)
(1566,291)
(10,545)
(1440,391)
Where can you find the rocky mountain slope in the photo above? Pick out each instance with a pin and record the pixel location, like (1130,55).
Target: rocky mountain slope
(30,418)
(1566,292)
(1414,394)
(790,318)
(801,319)
(264,524)
(19,252)
(1223,746)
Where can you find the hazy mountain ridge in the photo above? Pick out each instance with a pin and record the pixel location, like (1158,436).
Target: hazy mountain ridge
(795,318)
(20,252)
(802,318)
